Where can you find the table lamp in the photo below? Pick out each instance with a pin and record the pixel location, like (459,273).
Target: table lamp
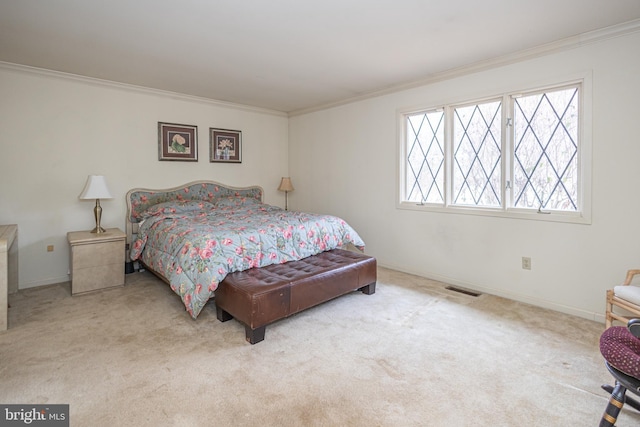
(286,186)
(96,188)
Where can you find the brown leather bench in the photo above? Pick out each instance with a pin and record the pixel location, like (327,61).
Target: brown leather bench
(260,296)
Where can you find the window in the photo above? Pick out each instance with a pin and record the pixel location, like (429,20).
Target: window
(514,154)
(425,162)
(545,151)
(476,158)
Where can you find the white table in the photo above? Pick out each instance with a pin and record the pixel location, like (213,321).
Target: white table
(8,269)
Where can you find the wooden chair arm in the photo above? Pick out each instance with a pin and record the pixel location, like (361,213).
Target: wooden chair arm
(630,274)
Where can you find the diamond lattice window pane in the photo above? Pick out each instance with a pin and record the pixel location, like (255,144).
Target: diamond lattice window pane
(546,150)
(477,155)
(425,158)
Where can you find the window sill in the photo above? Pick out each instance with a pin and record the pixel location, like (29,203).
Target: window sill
(525,214)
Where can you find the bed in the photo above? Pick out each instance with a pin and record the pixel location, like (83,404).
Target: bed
(195,235)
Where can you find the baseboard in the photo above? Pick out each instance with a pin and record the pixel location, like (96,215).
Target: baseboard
(538,302)
(45,282)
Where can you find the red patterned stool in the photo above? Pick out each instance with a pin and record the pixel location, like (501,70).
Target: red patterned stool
(620,348)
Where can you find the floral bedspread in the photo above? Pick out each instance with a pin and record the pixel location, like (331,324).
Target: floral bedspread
(194,245)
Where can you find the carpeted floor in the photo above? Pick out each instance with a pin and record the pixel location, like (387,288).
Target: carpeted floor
(412,354)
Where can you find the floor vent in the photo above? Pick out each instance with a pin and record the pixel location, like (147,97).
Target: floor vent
(462,291)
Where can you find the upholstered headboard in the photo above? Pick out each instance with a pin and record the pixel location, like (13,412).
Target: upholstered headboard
(140,199)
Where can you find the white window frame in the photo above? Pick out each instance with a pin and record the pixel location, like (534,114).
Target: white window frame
(581,216)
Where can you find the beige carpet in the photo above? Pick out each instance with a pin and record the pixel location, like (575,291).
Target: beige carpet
(412,354)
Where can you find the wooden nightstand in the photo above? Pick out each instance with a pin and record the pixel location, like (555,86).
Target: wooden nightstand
(97,260)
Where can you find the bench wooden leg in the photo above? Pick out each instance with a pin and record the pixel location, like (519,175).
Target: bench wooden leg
(255,335)
(222,315)
(369,289)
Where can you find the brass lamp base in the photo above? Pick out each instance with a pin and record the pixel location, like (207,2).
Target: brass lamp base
(97,212)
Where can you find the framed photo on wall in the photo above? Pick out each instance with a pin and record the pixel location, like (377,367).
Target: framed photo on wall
(177,142)
(225,145)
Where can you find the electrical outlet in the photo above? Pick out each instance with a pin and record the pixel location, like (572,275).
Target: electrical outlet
(526,263)
(50,248)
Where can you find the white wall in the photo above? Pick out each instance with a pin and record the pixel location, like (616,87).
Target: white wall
(343,160)
(56,130)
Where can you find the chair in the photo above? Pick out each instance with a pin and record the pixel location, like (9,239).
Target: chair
(620,347)
(625,296)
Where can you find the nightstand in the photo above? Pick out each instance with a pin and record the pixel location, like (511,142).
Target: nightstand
(97,260)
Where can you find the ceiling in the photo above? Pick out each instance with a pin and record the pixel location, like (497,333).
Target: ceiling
(286,55)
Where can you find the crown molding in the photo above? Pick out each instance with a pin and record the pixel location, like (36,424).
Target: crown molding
(527,54)
(546,49)
(134,88)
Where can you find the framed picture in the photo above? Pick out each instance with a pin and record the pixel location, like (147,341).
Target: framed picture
(225,145)
(177,142)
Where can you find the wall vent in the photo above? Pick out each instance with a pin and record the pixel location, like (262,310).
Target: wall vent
(462,291)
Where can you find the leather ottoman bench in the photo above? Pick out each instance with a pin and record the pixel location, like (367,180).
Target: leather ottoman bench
(260,296)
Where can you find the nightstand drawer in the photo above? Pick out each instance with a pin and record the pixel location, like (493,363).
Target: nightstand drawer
(101,277)
(85,256)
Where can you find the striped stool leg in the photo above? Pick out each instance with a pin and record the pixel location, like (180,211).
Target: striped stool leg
(612,410)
